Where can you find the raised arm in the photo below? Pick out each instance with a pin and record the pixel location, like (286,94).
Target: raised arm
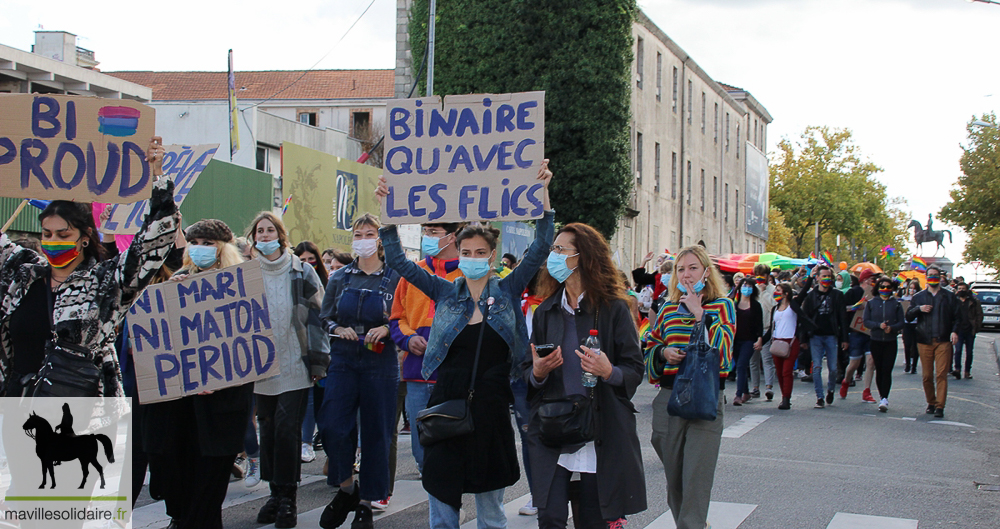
(537,253)
(395,258)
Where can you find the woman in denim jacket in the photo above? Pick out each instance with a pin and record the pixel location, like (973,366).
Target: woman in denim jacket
(484,461)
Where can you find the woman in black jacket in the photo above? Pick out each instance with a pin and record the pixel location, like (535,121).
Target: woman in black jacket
(884,317)
(610,466)
(749,335)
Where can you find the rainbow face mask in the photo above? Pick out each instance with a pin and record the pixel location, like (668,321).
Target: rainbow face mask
(885,292)
(60,253)
(826,282)
(778,295)
(934,281)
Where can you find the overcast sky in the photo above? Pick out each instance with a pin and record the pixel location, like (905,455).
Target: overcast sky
(904,75)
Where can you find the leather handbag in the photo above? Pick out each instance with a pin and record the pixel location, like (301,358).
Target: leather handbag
(64,373)
(695,394)
(780,348)
(451,418)
(567,421)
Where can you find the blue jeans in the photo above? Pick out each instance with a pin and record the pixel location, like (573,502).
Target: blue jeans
(860,344)
(417,395)
(968,340)
(522,412)
(312,413)
(359,380)
(743,350)
(489,512)
(250,444)
(820,346)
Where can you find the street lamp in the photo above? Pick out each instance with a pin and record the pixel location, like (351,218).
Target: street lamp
(979,122)
(984,1)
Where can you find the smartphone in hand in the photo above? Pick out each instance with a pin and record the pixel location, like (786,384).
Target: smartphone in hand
(544,350)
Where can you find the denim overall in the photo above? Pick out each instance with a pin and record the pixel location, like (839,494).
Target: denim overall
(361,379)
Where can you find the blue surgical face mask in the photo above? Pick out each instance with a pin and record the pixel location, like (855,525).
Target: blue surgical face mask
(474,267)
(430,245)
(558,269)
(698,287)
(268,247)
(665,279)
(202,256)
(746,291)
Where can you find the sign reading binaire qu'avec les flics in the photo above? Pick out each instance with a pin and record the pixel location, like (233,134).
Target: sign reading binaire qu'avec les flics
(60,147)
(475,157)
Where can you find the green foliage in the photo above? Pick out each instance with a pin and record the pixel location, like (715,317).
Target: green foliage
(778,235)
(824,179)
(580,53)
(975,202)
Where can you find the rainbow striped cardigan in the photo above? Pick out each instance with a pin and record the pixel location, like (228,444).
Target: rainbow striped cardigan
(673,329)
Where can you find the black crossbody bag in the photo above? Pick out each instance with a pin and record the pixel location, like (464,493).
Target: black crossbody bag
(65,374)
(568,420)
(451,418)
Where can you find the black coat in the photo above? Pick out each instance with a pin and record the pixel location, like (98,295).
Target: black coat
(621,480)
(941,321)
(220,419)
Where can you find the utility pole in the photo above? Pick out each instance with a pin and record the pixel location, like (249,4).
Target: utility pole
(430,50)
(817,238)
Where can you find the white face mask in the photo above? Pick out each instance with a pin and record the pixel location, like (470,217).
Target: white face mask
(365,247)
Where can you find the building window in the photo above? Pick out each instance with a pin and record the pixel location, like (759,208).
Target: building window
(726,200)
(689,184)
(263,161)
(715,197)
(727,131)
(737,140)
(675,89)
(638,158)
(716,121)
(659,74)
(736,210)
(690,95)
(702,190)
(309,118)
(638,63)
(656,168)
(703,113)
(361,123)
(673,176)
(755,132)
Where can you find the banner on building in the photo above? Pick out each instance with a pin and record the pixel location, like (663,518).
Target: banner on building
(234,123)
(88,149)
(183,163)
(208,332)
(516,237)
(474,158)
(328,192)
(757,186)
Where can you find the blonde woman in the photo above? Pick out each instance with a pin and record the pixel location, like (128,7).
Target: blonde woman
(209,247)
(294,295)
(689,449)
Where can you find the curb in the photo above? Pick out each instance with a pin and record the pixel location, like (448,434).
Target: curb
(996,353)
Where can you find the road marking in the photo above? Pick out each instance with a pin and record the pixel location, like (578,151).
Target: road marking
(843,520)
(721,515)
(406,494)
(155,514)
(952,423)
(741,427)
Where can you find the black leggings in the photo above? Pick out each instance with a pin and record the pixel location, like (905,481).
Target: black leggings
(884,356)
(910,345)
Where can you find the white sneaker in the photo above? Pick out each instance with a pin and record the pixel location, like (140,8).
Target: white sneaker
(253,472)
(528,510)
(308,454)
(883,405)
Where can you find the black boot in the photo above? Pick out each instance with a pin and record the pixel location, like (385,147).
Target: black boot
(786,403)
(363,518)
(287,515)
(335,513)
(269,511)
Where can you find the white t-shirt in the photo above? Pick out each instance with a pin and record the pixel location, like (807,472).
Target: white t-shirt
(784,323)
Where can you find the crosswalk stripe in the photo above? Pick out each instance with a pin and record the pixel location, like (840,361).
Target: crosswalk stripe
(154,514)
(406,494)
(843,520)
(721,515)
(741,427)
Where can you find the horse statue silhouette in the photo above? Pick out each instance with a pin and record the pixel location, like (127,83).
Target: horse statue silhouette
(53,448)
(920,235)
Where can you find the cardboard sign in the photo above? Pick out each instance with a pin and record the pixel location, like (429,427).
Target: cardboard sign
(477,157)
(184,164)
(208,332)
(858,321)
(88,149)
(328,193)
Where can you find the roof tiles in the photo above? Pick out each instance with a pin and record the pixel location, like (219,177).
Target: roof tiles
(285,84)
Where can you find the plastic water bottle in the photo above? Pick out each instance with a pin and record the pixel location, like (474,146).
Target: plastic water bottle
(590,379)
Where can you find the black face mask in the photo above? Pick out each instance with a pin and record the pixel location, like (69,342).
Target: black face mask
(963,294)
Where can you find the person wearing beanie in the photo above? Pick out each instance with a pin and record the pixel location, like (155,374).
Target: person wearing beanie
(210,247)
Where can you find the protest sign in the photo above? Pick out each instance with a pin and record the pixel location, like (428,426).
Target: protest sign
(327,194)
(208,332)
(858,321)
(182,163)
(475,157)
(62,147)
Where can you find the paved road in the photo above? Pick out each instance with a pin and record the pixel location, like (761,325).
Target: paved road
(846,466)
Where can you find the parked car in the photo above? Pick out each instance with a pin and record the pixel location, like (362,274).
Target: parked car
(988,294)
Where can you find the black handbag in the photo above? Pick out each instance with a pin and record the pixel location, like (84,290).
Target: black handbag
(451,418)
(64,373)
(568,420)
(695,395)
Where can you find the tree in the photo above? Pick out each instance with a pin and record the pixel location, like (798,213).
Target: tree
(824,180)
(779,235)
(580,53)
(975,201)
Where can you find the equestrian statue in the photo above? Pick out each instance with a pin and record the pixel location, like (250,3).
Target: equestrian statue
(921,235)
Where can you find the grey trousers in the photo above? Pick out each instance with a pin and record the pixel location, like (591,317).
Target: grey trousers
(689,451)
(764,355)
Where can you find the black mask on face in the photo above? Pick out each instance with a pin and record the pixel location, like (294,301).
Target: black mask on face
(963,294)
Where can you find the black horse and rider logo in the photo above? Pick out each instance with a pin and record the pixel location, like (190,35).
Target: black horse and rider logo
(53,448)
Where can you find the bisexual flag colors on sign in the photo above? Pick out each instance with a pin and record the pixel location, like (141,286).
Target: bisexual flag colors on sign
(118,121)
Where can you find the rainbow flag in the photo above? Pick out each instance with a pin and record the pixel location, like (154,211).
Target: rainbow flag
(812,255)
(827,258)
(643,329)
(857,306)
(285,207)
(918,264)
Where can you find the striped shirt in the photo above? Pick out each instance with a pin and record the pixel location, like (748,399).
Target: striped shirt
(673,329)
